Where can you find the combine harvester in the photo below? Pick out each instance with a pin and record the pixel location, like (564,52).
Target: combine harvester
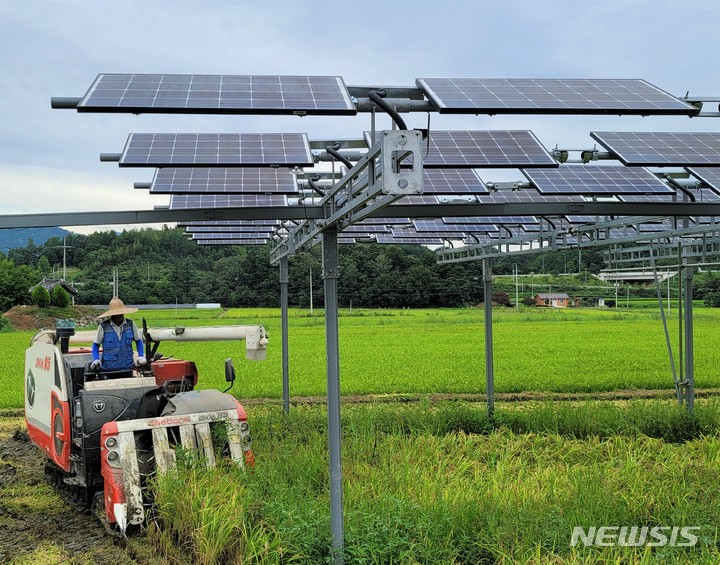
(106,433)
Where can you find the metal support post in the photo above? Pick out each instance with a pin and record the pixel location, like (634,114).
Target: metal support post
(284,278)
(330,276)
(489,368)
(689,341)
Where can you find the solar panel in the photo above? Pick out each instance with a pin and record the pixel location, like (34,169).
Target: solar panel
(249,223)
(662,148)
(439,226)
(218,94)
(596,179)
(405,233)
(230,241)
(201,201)
(364,228)
(489,220)
(222,179)
(383,238)
(230,235)
(486,148)
(521,196)
(647,198)
(416,199)
(449,181)
(550,96)
(233,229)
(216,149)
(709,175)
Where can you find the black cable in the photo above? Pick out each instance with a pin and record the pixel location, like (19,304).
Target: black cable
(377,97)
(333,150)
(311,183)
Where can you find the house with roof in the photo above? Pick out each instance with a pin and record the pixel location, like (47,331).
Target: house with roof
(552,299)
(50,284)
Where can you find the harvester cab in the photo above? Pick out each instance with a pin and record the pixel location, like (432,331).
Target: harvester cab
(106,433)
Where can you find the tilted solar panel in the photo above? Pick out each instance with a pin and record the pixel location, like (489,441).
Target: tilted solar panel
(686,149)
(230,235)
(248,223)
(596,179)
(216,150)
(222,179)
(201,201)
(489,220)
(218,94)
(550,96)
(483,148)
(230,241)
(450,181)
(389,238)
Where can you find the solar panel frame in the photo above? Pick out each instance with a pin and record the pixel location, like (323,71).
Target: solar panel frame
(216,150)
(662,149)
(191,180)
(551,96)
(202,201)
(218,94)
(596,179)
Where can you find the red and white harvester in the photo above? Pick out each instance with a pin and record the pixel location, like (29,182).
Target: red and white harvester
(106,433)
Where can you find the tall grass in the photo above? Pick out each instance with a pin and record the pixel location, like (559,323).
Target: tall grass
(443,484)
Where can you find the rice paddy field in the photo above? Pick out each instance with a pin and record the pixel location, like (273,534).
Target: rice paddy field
(429,481)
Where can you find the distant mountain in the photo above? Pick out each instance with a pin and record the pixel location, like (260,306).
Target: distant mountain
(10,239)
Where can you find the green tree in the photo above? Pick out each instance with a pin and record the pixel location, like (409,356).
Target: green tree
(43,265)
(60,297)
(15,283)
(40,297)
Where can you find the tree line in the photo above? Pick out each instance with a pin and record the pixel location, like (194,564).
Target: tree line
(163,266)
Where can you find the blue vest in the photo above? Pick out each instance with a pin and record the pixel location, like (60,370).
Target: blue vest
(117,352)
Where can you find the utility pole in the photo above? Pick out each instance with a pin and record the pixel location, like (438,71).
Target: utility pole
(311,294)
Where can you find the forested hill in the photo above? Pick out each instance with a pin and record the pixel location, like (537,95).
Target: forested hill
(163,266)
(13,238)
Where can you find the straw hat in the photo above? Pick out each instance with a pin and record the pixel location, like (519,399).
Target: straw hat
(117,307)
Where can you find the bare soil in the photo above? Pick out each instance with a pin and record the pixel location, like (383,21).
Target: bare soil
(24,318)
(39,527)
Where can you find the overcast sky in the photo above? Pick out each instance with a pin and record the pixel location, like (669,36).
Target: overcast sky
(49,159)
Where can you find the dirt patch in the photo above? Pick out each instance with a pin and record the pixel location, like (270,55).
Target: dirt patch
(39,527)
(24,318)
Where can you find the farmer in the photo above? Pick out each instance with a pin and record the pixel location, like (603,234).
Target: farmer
(116,335)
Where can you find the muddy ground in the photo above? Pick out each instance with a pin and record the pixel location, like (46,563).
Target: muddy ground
(38,527)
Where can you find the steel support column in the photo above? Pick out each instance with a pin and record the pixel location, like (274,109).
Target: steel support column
(689,340)
(489,367)
(284,330)
(330,276)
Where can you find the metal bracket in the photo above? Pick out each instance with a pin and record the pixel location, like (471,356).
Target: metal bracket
(402,162)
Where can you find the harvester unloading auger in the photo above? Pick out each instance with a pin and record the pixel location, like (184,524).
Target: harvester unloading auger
(106,433)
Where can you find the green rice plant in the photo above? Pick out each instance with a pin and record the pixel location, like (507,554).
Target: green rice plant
(419,488)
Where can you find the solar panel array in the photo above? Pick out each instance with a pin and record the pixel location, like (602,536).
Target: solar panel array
(222,179)
(662,148)
(595,179)
(216,149)
(219,94)
(558,96)
(211,171)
